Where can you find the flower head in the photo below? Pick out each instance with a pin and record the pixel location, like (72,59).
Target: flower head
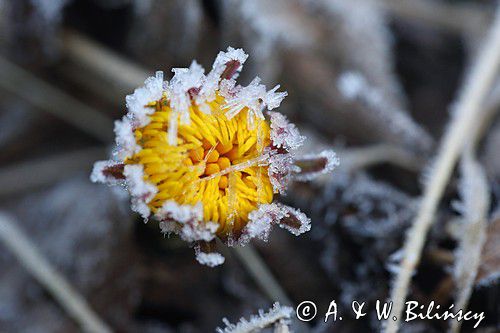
(200,155)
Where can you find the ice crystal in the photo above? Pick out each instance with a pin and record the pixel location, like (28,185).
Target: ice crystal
(313,165)
(262,219)
(101,172)
(280,171)
(125,140)
(277,315)
(256,98)
(180,88)
(142,192)
(189,219)
(283,133)
(137,103)
(210,259)
(294,221)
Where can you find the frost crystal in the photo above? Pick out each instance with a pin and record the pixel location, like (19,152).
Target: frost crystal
(262,219)
(226,66)
(184,83)
(141,191)
(210,259)
(259,224)
(277,315)
(138,101)
(313,165)
(232,55)
(294,221)
(171,210)
(227,88)
(102,172)
(125,140)
(283,133)
(186,221)
(280,171)
(255,98)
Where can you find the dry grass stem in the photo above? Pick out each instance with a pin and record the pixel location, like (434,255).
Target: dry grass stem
(262,275)
(23,84)
(467,114)
(108,64)
(29,256)
(35,173)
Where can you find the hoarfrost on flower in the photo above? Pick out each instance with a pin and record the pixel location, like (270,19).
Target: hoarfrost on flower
(142,192)
(256,98)
(185,161)
(295,221)
(125,140)
(185,220)
(280,171)
(185,81)
(100,172)
(262,219)
(138,101)
(226,67)
(314,165)
(259,224)
(283,133)
(171,210)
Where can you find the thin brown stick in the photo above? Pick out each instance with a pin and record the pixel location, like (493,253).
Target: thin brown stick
(36,173)
(20,82)
(262,275)
(90,55)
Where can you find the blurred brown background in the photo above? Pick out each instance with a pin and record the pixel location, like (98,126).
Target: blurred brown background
(373,79)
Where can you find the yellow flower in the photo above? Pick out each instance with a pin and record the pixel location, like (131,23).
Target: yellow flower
(199,154)
(216,161)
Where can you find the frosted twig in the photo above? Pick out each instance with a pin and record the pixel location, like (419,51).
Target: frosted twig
(35,173)
(467,113)
(55,283)
(20,82)
(474,210)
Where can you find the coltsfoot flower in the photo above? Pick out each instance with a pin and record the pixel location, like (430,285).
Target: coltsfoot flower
(205,156)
